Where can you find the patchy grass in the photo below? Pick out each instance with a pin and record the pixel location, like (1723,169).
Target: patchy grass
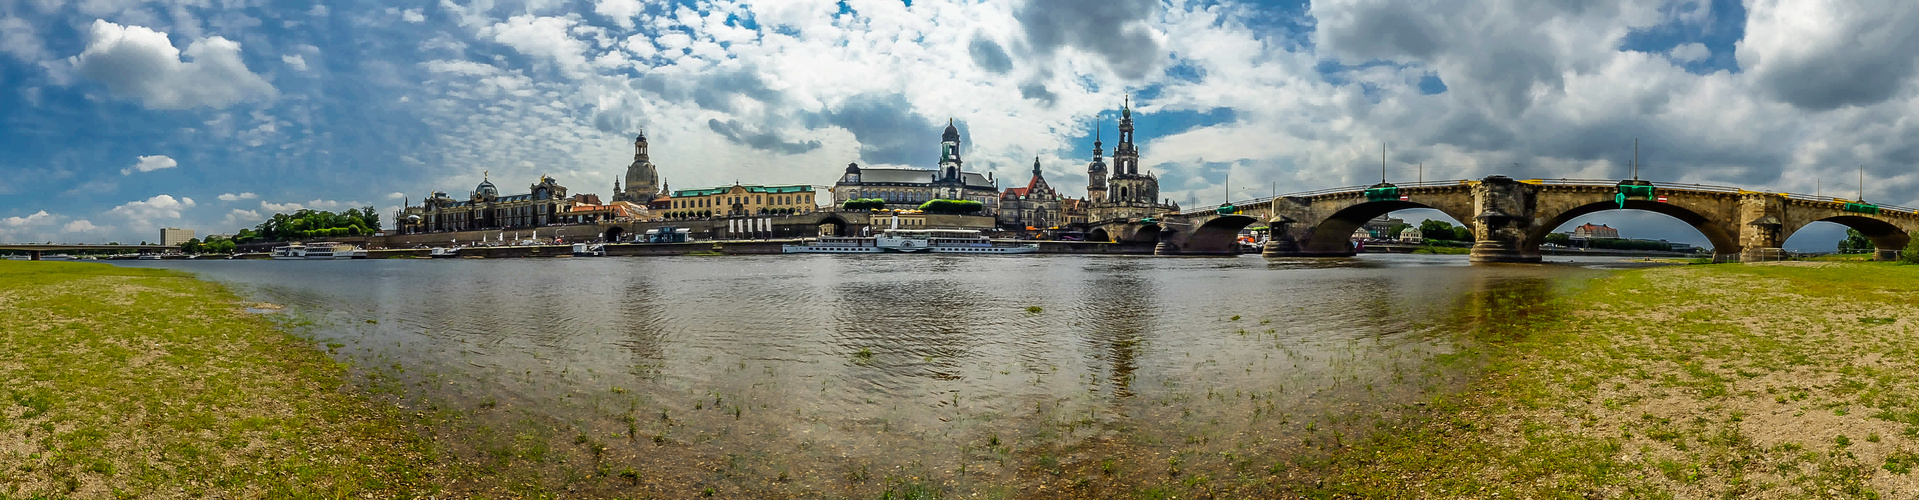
(126,382)
(1784,380)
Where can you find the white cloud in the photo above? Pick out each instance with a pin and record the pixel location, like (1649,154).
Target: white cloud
(1690,52)
(395,196)
(140,63)
(241,218)
(80,226)
(238,197)
(294,61)
(17,37)
(20,222)
(412,16)
(621,11)
(149,164)
(281,207)
(157,207)
(545,38)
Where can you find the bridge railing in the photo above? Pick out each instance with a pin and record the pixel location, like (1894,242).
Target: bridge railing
(1548,182)
(1842,201)
(1317,192)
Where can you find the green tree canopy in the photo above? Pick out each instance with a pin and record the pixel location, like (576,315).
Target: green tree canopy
(864,204)
(1855,243)
(960,207)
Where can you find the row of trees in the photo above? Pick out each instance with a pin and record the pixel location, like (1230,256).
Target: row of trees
(309,224)
(211,245)
(956,207)
(1443,231)
(863,204)
(941,206)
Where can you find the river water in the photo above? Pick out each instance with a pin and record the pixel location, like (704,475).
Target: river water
(837,375)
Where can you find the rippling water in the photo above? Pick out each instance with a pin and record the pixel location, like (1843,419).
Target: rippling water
(845,374)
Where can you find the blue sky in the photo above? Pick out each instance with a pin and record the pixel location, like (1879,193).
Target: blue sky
(123,116)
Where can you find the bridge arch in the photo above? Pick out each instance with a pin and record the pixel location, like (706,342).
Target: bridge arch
(1219,235)
(613,234)
(1334,235)
(1885,236)
(1725,240)
(839,225)
(1146,234)
(1099,235)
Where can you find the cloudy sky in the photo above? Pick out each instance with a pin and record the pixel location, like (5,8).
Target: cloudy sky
(123,116)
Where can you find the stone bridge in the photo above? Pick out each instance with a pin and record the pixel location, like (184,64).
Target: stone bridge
(1510,218)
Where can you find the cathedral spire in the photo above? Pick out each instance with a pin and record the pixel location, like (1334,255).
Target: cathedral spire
(1036,167)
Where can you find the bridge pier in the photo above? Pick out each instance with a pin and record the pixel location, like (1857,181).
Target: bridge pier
(1504,220)
(35,255)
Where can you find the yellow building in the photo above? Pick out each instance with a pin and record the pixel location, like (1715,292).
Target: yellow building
(740,200)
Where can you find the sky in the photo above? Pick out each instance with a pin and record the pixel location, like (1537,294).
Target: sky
(119,117)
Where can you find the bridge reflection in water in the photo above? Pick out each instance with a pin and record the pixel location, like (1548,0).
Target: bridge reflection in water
(1511,218)
(974,373)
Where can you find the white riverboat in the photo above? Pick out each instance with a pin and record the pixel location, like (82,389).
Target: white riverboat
(444,253)
(294,251)
(589,250)
(964,241)
(834,244)
(333,251)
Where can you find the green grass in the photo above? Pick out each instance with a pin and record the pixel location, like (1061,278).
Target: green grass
(127,382)
(1649,385)
(1439,250)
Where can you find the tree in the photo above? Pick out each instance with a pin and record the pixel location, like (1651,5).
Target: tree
(864,204)
(959,207)
(1855,243)
(1436,230)
(1911,253)
(1561,239)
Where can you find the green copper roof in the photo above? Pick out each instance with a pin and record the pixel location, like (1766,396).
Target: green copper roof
(750,189)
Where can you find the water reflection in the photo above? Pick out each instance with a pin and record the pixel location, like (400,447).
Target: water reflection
(828,374)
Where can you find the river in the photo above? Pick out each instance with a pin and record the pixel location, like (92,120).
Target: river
(831,375)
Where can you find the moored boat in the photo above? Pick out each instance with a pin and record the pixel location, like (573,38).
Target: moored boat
(294,251)
(964,241)
(834,244)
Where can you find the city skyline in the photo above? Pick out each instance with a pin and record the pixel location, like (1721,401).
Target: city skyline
(132,117)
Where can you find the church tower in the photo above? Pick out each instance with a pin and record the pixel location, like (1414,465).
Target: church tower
(1096,171)
(950,153)
(642,179)
(1125,157)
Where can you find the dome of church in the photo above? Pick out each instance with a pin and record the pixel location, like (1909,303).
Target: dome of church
(852,168)
(486,189)
(952,132)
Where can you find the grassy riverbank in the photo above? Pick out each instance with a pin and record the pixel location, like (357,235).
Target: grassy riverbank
(126,382)
(1729,381)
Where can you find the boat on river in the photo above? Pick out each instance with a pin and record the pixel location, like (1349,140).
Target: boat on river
(834,244)
(294,251)
(327,250)
(965,241)
(444,253)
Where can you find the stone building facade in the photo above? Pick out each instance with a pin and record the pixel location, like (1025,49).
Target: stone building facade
(1125,193)
(1036,206)
(484,208)
(740,200)
(907,188)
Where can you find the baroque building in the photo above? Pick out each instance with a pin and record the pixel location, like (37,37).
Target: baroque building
(1035,206)
(907,188)
(643,182)
(740,200)
(1125,193)
(545,203)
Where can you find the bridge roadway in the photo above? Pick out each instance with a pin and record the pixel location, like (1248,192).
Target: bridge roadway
(1510,218)
(34,250)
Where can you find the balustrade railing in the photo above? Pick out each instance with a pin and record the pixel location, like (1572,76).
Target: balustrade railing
(1208,209)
